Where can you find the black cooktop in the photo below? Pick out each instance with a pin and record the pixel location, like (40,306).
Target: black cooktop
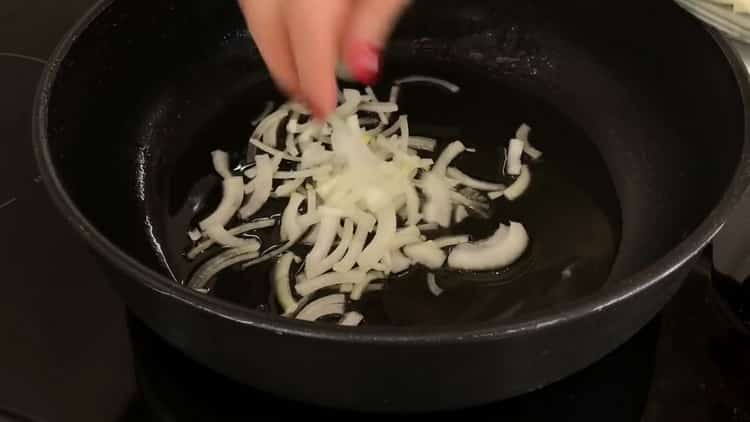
(69,351)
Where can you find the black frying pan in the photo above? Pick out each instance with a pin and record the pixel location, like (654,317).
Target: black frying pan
(640,110)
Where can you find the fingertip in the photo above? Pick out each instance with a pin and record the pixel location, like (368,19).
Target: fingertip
(363,60)
(322,104)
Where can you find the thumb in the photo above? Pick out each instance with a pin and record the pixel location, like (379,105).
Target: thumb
(369,27)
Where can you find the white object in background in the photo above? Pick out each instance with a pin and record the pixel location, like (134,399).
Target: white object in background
(731,247)
(732,244)
(732,17)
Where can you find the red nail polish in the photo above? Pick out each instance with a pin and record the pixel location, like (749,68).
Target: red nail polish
(364,62)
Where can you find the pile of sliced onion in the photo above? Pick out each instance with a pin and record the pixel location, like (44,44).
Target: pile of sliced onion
(365,194)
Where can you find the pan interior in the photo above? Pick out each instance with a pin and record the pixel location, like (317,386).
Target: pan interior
(639,145)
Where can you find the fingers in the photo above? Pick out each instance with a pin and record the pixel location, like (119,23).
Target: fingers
(315,28)
(301,42)
(368,29)
(268,27)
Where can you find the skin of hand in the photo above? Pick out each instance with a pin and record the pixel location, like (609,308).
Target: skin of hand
(303,41)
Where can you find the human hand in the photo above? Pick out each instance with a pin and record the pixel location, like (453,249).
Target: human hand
(302,41)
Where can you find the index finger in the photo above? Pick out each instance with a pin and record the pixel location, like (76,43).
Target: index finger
(315,29)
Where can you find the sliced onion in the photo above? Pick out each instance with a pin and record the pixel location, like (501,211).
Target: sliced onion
(518,187)
(437,208)
(346,288)
(351,319)
(532,152)
(338,253)
(312,130)
(422,143)
(325,306)
(293,124)
(386,230)
(426,227)
(433,286)
(406,236)
(306,286)
(359,288)
(460,214)
(290,227)
(315,154)
(291,145)
(505,161)
(445,242)
(496,194)
(271,254)
(399,261)
(263,184)
(466,180)
(270,120)
(312,199)
(426,253)
(328,229)
(203,246)
(498,251)
(368,121)
(221,163)
(379,107)
(302,174)
(393,128)
(412,204)
(523,132)
(287,188)
(352,100)
(194,235)
(479,207)
(364,226)
(224,260)
(430,80)
(404,129)
(281,282)
(233,194)
(515,151)
(382,115)
(395,91)
(273,151)
(222,236)
(453,150)
(213,226)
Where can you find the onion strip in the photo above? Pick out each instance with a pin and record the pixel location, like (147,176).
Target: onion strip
(431,80)
(433,286)
(203,246)
(359,288)
(338,253)
(466,180)
(224,260)
(351,319)
(519,187)
(281,282)
(325,306)
(221,163)
(306,286)
(263,184)
(273,151)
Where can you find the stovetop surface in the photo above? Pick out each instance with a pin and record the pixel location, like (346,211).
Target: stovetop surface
(70,352)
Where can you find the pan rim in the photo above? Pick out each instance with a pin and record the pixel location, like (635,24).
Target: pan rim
(157,283)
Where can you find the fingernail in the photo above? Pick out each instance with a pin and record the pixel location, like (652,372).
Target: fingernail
(364,62)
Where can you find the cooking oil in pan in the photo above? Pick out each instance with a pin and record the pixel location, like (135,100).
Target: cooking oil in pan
(570,211)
